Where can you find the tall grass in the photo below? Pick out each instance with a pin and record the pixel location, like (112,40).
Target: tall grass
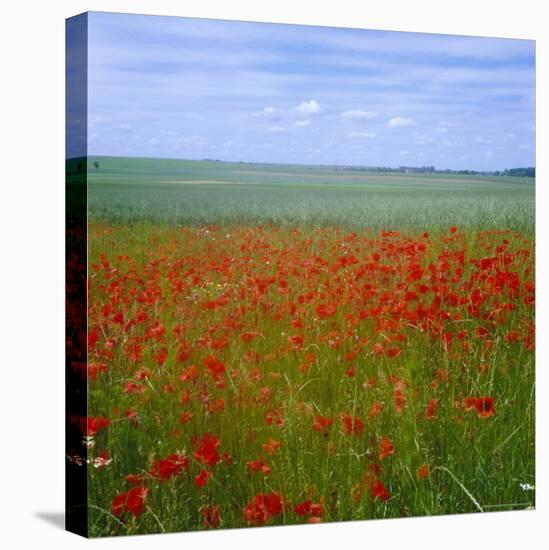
(474,463)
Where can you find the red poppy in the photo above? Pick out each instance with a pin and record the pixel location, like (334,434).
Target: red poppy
(249,336)
(258,466)
(399,400)
(303,508)
(133,387)
(271,446)
(185,417)
(206,450)
(132,502)
(469,403)
(431,409)
(375,409)
(202,478)
(264,506)
(352,425)
(134,479)
(189,373)
(92,424)
(211,516)
(385,448)
(485,407)
(325,311)
(170,466)
(423,471)
(214,366)
(321,424)
(378,490)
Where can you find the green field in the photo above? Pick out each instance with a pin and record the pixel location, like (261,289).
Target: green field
(275,344)
(207,192)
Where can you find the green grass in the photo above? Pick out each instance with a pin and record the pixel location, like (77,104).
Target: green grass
(128,190)
(475,463)
(165,236)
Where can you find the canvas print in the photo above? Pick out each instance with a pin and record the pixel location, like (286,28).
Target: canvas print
(300,274)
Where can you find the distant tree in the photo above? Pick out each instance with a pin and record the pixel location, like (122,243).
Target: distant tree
(96,165)
(529,172)
(79,166)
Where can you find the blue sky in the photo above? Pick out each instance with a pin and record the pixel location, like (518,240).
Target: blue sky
(195,88)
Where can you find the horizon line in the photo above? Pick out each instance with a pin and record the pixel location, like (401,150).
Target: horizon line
(296,163)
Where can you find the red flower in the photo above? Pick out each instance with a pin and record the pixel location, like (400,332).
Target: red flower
(469,403)
(206,450)
(133,387)
(185,417)
(258,466)
(296,341)
(423,471)
(248,336)
(385,448)
(321,424)
(133,501)
(262,508)
(214,366)
(211,516)
(375,409)
(169,467)
(378,490)
(308,508)
(325,311)
(352,425)
(202,478)
(431,409)
(189,373)
(271,446)
(134,479)
(485,407)
(303,508)
(91,425)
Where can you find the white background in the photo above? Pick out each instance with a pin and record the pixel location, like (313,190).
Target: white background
(32,271)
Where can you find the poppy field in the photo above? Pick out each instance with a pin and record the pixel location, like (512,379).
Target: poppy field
(257,374)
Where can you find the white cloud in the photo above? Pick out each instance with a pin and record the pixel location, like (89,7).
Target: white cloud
(352,135)
(359,114)
(424,140)
(524,147)
(401,122)
(404,153)
(268,112)
(490,154)
(310,107)
(275,129)
(483,140)
(302,123)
